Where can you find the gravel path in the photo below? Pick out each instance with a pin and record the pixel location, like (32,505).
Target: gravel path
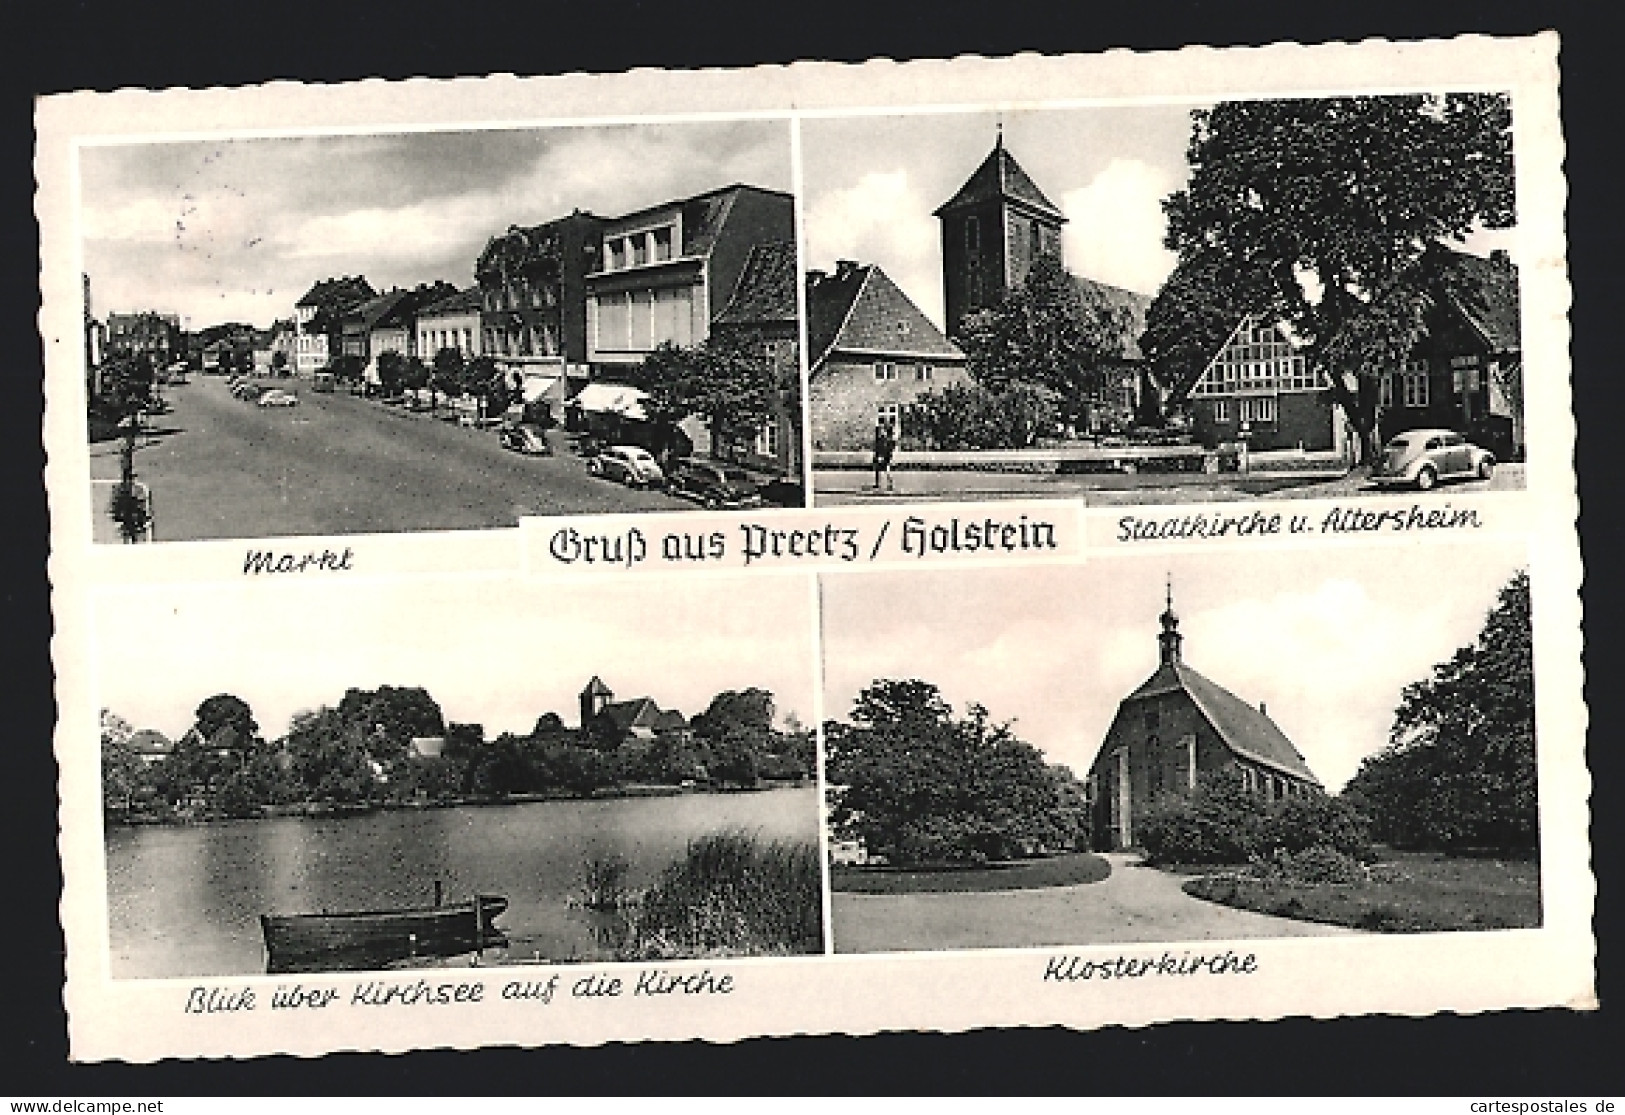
(1136,904)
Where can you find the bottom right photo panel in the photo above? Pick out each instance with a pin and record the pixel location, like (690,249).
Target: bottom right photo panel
(1223,746)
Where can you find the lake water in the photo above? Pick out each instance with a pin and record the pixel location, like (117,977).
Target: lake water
(185,900)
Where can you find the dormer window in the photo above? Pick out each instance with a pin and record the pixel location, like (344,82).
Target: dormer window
(662,243)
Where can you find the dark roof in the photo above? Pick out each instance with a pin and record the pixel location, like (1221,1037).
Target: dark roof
(642,712)
(338,293)
(859,307)
(1091,290)
(460,303)
(766,291)
(373,310)
(1000,177)
(1245,729)
(1485,293)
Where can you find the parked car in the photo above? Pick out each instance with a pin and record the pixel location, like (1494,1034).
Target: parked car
(527,440)
(628,464)
(1425,457)
(276,398)
(324,382)
(713,484)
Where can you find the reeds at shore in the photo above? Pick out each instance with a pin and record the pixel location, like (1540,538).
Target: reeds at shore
(732,893)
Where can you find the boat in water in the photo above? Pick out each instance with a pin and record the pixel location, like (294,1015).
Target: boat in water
(370,939)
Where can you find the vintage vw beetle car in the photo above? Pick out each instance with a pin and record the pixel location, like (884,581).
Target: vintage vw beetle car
(527,440)
(278,398)
(713,484)
(1424,457)
(628,464)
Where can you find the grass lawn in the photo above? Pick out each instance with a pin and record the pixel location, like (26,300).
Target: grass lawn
(1408,892)
(1055,871)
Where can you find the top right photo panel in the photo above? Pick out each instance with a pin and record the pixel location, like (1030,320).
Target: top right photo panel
(1297,298)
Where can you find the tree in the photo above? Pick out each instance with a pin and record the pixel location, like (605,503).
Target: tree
(727,381)
(1459,770)
(391,372)
(448,378)
(1192,316)
(129,389)
(279,362)
(328,758)
(1329,206)
(916,785)
(122,773)
(1045,334)
(223,710)
(390,717)
(348,369)
(415,377)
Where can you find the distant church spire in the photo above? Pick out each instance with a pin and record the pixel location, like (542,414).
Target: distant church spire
(1170,638)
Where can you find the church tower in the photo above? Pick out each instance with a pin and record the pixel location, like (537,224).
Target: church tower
(1170,637)
(593,699)
(992,230)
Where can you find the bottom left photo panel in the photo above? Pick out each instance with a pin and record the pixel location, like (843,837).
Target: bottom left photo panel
(413,773)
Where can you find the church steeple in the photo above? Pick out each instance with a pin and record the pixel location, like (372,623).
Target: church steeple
(993,228)
(1170,638)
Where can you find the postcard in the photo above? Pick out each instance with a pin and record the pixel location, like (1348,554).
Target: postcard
(926,545)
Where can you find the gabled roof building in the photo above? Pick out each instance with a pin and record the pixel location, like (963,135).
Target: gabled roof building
(1179,731)
(762,317)
(871,353)
(617,721)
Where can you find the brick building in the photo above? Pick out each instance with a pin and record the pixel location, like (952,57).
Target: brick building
(1178,731)
(533,293)
(871,353)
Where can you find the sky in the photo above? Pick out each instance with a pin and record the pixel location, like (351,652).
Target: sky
(238,230)
(1326,638)
(871,184)
(498,651)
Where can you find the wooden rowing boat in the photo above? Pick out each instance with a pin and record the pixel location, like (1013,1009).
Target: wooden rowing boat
(370,939)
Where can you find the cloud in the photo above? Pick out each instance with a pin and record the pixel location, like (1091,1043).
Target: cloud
(1115,226)
(882,217)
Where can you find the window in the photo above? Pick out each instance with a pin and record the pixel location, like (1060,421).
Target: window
(662,243)
(1037,240)
(767,440)
(1221,410)
(1385,390)
(889,414)
(924,373)
(640,249)
(1260,408)
(973,234)
(1152,717)
(885,372)
(1190,761)
(1414,384)
(617,254)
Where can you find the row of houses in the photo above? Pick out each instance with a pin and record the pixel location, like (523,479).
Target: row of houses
(584,298)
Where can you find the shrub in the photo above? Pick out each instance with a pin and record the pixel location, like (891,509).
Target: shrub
(1222,823)
(731,894)
(1219,823)
(1297,824)
(1316,864)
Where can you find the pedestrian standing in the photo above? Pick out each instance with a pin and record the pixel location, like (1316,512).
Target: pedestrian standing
(885,447)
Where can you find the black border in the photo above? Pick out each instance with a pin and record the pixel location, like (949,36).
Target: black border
(106,44)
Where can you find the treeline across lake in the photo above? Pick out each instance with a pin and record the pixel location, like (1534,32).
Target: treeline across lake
(392,746)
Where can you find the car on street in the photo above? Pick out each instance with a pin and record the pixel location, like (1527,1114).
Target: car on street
(1422,458)
(278,398)
(527,440)
(713,484)
(632,466)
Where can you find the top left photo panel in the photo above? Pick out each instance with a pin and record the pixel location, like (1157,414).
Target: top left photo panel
(438,330)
